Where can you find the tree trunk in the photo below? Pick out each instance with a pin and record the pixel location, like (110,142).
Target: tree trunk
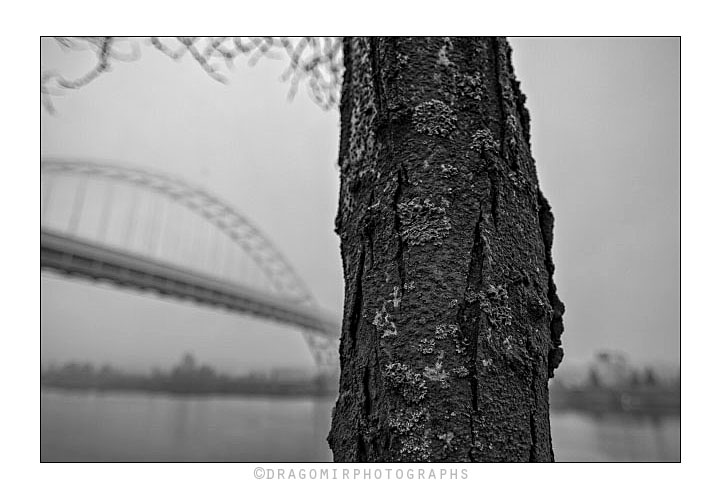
(452,324)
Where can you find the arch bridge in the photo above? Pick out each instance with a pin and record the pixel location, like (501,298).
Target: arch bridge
(147,230)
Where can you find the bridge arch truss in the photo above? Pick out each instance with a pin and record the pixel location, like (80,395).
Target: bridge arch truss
(285,281)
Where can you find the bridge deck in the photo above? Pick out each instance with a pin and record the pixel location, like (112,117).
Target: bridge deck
(77,256)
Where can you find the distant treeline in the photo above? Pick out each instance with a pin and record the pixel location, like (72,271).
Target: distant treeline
(656,399)
(619,389)
(634,392)
(185,378)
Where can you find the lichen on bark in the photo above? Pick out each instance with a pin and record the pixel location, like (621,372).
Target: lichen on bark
(452,321)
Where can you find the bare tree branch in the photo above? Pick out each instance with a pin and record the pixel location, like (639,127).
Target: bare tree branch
(315,60)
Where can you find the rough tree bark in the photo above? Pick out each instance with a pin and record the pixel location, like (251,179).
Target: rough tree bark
(452,323)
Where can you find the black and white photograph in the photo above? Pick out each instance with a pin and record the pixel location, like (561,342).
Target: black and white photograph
(360,249)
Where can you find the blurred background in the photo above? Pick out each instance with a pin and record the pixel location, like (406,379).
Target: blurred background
(214,205)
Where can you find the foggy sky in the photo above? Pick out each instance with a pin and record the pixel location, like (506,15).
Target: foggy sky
(605,136)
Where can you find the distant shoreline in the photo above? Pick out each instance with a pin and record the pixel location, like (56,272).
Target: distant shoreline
(634,394)
(187,377)
(194,395)
(603,401)
(260,392)
(627,400)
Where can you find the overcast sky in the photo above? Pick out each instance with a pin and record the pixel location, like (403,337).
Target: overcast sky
(605,135)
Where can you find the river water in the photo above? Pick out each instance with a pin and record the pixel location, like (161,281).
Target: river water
(89,426)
